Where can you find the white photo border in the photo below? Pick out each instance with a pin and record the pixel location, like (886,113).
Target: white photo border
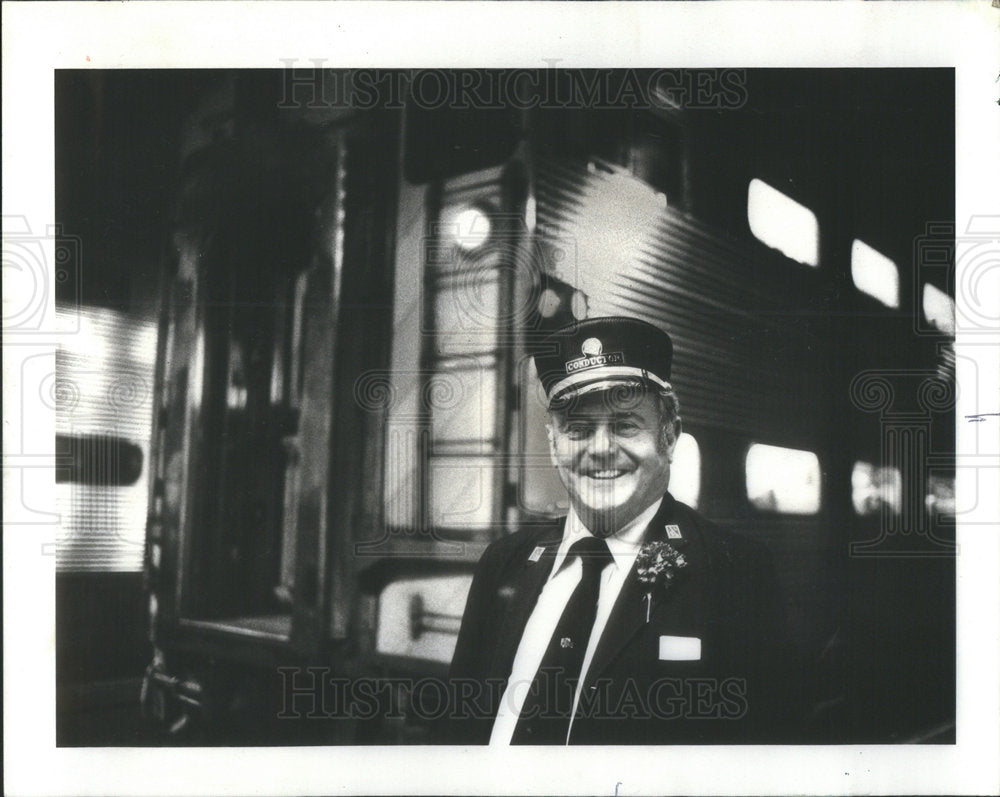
(41,37)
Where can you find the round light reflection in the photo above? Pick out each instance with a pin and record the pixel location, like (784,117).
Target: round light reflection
(470,227)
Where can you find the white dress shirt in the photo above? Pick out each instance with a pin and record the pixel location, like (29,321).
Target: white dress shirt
(624,547)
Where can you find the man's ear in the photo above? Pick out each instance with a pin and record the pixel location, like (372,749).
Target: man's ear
(676,436)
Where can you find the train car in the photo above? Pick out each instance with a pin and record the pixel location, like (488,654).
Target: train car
(355,267)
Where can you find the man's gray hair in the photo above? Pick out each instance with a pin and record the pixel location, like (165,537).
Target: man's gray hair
(670,410)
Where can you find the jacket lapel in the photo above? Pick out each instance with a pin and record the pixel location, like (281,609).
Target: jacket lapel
(523,587)
(629,613)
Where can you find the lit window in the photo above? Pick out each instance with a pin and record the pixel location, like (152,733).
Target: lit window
(782,223)
(104,406)
(875,274)
(873,488)
(685,471)
(783,480)
(939,309)
(940,497)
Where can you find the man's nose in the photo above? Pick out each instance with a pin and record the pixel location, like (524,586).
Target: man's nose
(602,442)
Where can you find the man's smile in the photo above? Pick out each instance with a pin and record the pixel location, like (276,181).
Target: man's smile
(606,473)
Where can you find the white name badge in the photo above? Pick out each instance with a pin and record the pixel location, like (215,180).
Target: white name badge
(680,648)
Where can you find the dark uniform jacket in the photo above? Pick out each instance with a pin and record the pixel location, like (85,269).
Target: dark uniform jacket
(636,690)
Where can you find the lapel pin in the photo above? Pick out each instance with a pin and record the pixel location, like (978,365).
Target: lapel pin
(673,532)
(536,554)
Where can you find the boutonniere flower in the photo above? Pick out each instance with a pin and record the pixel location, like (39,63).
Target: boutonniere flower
(657,564)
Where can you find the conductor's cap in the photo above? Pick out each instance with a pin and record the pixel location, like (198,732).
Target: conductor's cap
(602,354)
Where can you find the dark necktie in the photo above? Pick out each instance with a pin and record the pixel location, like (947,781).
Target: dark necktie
(548,708)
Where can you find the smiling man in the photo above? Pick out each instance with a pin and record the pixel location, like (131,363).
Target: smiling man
(634,620)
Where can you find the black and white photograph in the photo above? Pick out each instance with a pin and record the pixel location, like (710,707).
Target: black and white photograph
(460,411)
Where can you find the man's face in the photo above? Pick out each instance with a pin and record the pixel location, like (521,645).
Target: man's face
(614,462)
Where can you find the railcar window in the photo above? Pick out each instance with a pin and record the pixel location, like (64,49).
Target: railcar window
(941,496)
(462,489)
(784,480)
(875,274)
(462,405)
(685,471)
(102,395)
(939,309)
(782,223)
(874,488)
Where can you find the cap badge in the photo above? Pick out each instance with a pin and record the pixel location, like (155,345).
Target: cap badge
(673,531)
(594,357)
